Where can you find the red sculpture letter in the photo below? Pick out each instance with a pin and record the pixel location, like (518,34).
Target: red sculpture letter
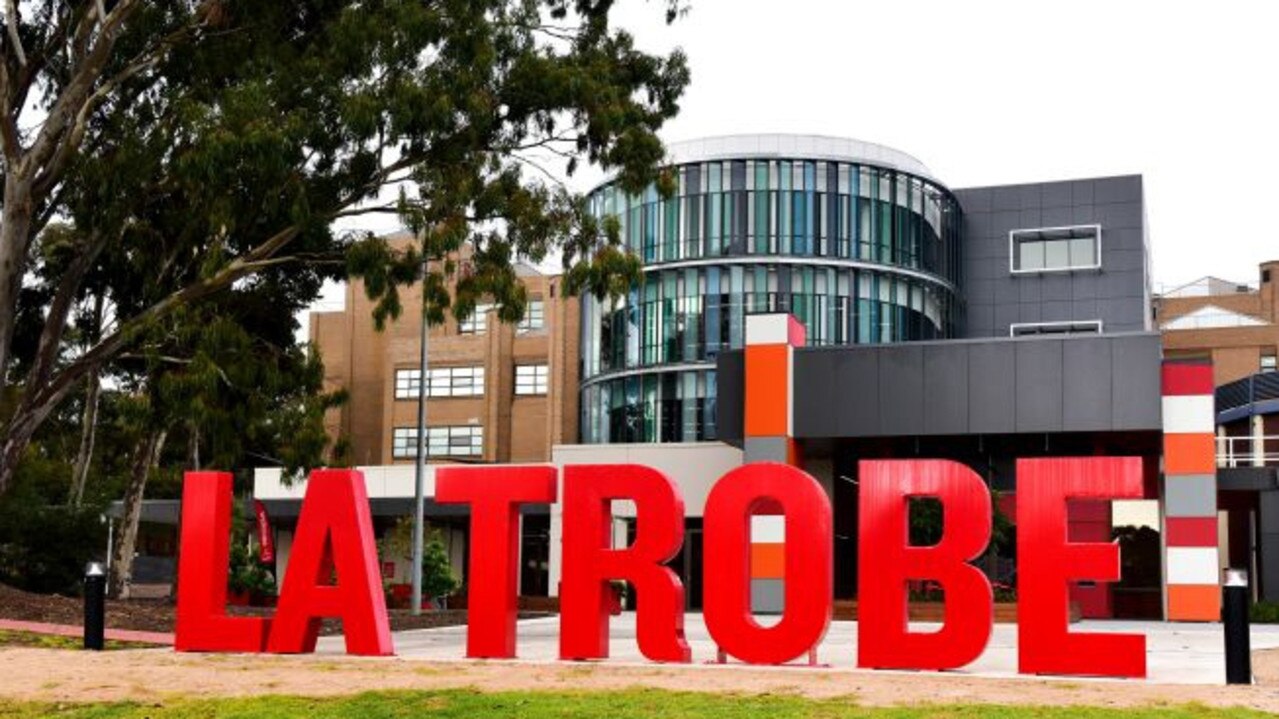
(495,495)
(589,563)
(1046,563)
(887,562)
(202,624)
(334,536)
(809,574)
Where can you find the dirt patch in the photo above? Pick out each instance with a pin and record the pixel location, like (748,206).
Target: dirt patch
(156,615)
(159,674)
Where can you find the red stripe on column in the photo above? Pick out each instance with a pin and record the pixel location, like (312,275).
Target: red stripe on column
(1183,379)
(1191,531)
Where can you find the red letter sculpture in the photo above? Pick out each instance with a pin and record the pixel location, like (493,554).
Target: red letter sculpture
(334,536)
(495,495)
(1046,562)
(202,624)
(590,563)
(808,575)
(887,562)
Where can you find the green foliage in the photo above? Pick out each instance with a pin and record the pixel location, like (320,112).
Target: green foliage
(43,544)
(1265,612)
(438,579)
(617,704)
(245,575)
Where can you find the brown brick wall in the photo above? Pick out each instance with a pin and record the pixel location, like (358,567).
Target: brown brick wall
(516,429)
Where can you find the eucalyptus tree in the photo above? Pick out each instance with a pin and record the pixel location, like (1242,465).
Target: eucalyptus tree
(199,143)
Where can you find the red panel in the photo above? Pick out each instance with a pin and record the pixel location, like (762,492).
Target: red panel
(1047,563)
(1182,378)
(334,540)
(202,624)
(589,563)
(495,495)
(1191,531)
(797,335)
(886,563)
(809,568)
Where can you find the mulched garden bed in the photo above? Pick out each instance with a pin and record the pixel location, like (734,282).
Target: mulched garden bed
(156,615)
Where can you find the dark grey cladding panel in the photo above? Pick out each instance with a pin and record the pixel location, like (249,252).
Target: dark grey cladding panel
(730,378)
(901,389)
(815,392)
(946,400)
(992,377)
(1136,402)
(995,386)
(856,392)
(1087,371)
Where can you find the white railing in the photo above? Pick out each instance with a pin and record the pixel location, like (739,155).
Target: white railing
(1248,451)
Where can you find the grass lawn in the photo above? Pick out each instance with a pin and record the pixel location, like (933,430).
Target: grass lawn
(547,705)
(10,638)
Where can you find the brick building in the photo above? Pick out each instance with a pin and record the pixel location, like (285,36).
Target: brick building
(497,392)
(1235,325)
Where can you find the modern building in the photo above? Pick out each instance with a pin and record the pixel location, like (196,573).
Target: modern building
(974,324)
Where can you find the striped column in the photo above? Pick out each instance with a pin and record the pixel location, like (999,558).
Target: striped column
(769,437)
(1191,565)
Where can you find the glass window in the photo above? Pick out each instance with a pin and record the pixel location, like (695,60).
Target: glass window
(1028,329)
(459,441)
(530,379)
(444,382)
(1268,363)
(1056,249)
(534,317)
(478,322)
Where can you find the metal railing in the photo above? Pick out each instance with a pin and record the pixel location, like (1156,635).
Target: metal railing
(1233,452)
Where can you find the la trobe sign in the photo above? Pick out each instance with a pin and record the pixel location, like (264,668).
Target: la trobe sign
(333,569)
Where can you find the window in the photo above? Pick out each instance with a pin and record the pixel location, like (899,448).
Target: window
(530,379)
(1055,249)
(460,441)
(1028,329)
(1268,363)
(444,382)
(534,317)
(478,322)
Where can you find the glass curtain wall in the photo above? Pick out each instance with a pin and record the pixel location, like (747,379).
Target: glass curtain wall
(859,254)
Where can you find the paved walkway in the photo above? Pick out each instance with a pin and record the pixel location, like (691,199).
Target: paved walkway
(71,630)
(1176,653)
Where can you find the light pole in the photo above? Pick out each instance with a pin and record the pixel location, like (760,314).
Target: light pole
(419,475)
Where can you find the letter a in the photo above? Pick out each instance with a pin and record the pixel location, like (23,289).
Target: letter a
(334,536)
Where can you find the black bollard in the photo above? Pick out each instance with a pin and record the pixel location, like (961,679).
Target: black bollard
(95,606)
(1235,601)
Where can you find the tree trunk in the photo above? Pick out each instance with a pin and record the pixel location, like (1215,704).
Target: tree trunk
(88,431)
(146,457)
(15,225)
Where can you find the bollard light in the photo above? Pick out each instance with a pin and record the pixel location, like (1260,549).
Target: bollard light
(1235,601)
(95,606)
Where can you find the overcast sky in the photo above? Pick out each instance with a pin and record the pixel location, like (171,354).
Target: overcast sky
(1002,91)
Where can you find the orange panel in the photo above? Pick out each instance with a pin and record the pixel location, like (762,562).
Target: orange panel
(1194,603)
(767,389)
(1190,454)
(768,561)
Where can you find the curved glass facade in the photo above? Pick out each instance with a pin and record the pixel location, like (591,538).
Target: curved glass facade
(859,252)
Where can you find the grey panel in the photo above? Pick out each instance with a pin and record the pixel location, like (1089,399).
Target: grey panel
(1087,367)
(1136,402)
(765,449)
(1192,495)
(1247,478)
(1268,539)
(815,408)
(901,389)
(1039,385)
(768,596)
(730,374)
(856,392)
(992,374)
(946,389)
